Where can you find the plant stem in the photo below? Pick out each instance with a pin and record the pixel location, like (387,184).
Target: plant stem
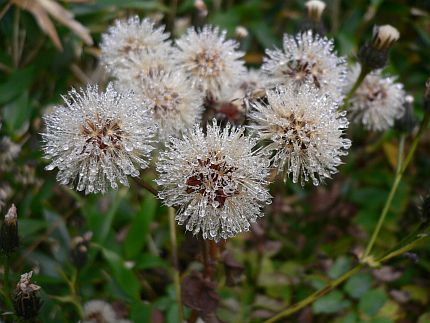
(313,297)
(387,205)
(334,283)
(146,186)
(176,276)
(364,71)
(6,283)
(75,292)
(401,167)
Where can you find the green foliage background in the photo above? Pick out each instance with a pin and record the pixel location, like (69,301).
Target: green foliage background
(308,235)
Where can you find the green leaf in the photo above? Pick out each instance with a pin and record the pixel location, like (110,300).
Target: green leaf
(139,227)
(424,318)
(16,84)
(123,275)
(331,303)
(340,267)
(372,301)
(140,312)
(358,285)
(28,227)
(146,261)
(17,113)
(417,293)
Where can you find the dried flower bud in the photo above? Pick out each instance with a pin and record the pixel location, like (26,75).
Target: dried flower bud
(79,249)
(408,121)
(315,9)
(9,240)
(201,7)
(374,55)
(427,97)
(384,37)
(313,21)
(26,300)
(241,32)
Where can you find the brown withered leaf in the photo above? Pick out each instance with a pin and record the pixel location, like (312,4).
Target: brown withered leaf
(43,9)
(199,293)
(233,269)
(386,274)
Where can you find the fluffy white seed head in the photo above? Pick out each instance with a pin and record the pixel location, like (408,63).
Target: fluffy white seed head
(216,180)
(171,100)
(315,9)
(378,102)
(128,40)
(307,58)
(97,139)
(304,132)
(211,62)
(8,152)
(384,36)
(97,311)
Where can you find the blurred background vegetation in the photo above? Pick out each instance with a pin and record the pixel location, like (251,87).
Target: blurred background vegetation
(307,237)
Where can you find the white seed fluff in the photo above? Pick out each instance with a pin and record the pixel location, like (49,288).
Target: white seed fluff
(211,62)
(128,40)
(304,132)
(97,139)
(378,102)
(97,311)
(307,58)
(171,100)
(216,180)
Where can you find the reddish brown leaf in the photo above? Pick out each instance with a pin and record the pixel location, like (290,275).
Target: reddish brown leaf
(199,294)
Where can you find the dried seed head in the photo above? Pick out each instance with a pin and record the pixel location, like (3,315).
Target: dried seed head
(9,239)
(171,100)
(8,152)
(315,9)
(217,181)
(98,311)
(211,63)
(304,131)
(97,139)
(130,39)
(378,102)
(26,301)
(307,59)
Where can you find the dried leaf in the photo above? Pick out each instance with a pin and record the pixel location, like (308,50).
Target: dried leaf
(386,274)
(199,293)
(233,269)
(40,10)
(66,18)
(42,19)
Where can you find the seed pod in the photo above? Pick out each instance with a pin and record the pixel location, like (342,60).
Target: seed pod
(79,249)
(374,55)
(313,20)
(9,240)
(26,300)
